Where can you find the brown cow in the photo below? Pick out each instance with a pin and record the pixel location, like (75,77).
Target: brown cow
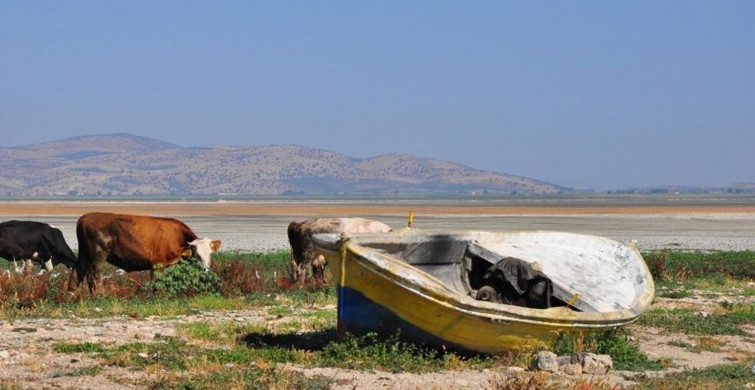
(306,261)
(135,243)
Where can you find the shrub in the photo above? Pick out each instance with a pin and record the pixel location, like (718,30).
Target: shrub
(187,278)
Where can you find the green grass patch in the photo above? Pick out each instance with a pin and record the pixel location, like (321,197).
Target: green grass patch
(84,371)
(249,378)
(735,376)
(24,330)
(624,354)
(389,354)
(713,266)
(85,347)
(722,322)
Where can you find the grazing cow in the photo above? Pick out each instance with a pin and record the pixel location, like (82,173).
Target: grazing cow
(31,241)
(135,243)
(305,259)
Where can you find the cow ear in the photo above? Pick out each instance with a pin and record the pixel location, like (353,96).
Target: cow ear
(215,245)
(187,253)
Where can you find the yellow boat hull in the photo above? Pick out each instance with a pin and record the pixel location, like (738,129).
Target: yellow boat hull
(379,292)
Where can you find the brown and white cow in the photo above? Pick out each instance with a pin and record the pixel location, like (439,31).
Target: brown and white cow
(135,243)
(306,261)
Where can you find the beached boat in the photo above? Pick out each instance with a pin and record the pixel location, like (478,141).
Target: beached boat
(430,287)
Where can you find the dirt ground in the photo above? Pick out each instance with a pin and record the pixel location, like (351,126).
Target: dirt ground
(27,359)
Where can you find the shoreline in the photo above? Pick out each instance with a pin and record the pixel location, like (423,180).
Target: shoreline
(314,208)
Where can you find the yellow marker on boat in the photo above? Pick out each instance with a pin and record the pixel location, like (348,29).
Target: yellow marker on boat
(572,300)
(411,218)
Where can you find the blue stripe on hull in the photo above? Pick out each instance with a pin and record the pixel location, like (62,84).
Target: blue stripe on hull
(359,315)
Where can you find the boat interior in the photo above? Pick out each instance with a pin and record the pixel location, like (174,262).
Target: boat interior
(469,268)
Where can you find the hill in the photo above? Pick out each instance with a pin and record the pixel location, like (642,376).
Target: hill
(124,165)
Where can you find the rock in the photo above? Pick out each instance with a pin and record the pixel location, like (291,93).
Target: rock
(566,366)
(571,369)
(545,361)
(592,363)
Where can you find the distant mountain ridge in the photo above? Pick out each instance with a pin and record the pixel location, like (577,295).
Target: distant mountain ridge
(125,164)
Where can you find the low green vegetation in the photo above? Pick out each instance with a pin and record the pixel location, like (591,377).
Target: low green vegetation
(715,267)
(624,354)
(187,278)
(699,344)
(725,321)
(206,345)
(735,376)
(89,371)
(238,280)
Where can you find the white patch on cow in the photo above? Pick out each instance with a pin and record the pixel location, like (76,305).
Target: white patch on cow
(362,225)
(203,249)
(104,238)
(48,264)
(35,255)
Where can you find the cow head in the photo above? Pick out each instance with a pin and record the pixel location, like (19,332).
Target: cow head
(203,248)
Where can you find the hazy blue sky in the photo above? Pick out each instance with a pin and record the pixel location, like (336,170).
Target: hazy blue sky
(589,94)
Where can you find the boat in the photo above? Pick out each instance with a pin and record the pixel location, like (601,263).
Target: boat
(427,287)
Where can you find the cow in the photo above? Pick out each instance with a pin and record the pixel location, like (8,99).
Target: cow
(135,243)
(306,261)
(31,241)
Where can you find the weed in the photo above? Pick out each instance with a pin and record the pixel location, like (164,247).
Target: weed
(88,371)
(391,354)
(247,378)
(24,330)
(692,322)
(624,354)
(724,377)
(714,265)
(79,347)
(187,278)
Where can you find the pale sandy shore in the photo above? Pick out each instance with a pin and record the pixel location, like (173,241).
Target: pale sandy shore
(261,226)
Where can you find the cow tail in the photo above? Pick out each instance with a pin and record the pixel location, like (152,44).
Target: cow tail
(294,239)
(83,264)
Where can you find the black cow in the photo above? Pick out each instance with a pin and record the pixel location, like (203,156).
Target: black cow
(36,242)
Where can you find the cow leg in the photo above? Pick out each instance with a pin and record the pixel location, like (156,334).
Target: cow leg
(93,277)
(90,270)
(318,268)
(48,264)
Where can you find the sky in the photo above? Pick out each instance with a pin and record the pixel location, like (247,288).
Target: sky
(584,94)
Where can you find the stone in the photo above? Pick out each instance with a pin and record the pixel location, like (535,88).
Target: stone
(563,360)
(592,363)
(571,369)
(545,361)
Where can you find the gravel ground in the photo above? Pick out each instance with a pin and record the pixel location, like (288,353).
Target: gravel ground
(694,231)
